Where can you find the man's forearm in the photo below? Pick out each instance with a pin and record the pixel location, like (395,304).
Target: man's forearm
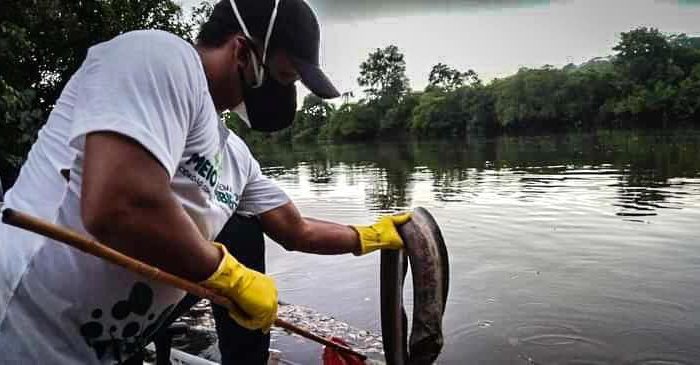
(160,233)
(287,227)
(328,238)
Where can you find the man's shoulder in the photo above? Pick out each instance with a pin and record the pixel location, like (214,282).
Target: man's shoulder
(237,145)
(149,45)
(155,37)
(154,55)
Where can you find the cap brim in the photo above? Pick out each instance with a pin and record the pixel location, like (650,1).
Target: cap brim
(313,78)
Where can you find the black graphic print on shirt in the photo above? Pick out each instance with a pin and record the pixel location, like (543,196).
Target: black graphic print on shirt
(122,329)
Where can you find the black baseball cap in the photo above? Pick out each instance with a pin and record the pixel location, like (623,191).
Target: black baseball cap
(296,30)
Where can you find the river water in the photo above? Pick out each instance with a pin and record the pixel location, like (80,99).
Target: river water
(563,249)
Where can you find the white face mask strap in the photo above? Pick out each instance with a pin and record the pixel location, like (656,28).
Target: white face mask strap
(240,19)
(270,26)
(258,69)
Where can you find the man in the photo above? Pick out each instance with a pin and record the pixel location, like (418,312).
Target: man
(135,154)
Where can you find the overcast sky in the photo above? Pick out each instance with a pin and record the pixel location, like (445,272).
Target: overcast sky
(493,37)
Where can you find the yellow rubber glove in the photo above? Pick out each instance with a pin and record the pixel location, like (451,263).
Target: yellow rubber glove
(253,292)
(383,234)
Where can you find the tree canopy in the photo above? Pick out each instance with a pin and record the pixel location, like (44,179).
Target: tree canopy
(650,80)
(43,42)
(444,77)
(383,74)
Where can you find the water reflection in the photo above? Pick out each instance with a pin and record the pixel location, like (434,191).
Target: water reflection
(641,167)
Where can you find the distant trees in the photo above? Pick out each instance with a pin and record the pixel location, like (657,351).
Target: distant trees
(652,80)
(383,74)
(311,118)
(446,78)
(388,103)
(656,78)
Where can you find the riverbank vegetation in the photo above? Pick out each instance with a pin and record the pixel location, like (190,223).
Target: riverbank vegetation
(651,80)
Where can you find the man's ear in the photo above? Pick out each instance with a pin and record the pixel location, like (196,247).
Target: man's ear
(241,50)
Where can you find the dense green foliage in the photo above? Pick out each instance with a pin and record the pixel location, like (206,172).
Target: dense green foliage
(43,42)
(651,80)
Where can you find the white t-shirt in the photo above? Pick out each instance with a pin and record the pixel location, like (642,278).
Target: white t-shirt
(61,306)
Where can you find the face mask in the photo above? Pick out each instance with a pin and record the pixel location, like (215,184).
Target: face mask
(269,105)
(268,108)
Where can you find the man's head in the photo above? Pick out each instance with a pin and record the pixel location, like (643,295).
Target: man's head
(254,50)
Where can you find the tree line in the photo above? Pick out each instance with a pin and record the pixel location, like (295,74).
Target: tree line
(652,80)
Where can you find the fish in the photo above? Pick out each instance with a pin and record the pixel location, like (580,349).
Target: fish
(426,254)
(393,267)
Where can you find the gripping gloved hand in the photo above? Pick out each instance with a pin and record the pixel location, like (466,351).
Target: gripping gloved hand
(253,292)
(383,234)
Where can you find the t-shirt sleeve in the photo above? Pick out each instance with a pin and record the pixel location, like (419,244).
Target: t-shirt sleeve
(260,193)
(142,87)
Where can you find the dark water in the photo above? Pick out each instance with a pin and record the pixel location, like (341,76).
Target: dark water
(577,249)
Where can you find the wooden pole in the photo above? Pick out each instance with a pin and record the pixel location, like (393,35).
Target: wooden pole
(95,248)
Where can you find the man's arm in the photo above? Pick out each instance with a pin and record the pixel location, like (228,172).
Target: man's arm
(127,203)
(287,227)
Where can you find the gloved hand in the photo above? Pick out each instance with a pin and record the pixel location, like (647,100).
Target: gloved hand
(253,292)
(383,234)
